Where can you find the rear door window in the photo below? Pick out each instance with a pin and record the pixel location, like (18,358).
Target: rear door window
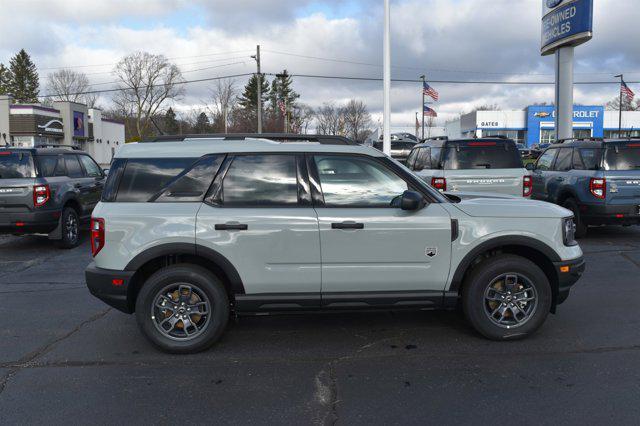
(565,160)
(51,165)
(589,157)
(73,166)
(142,179)
(622,157)
(423,161)
(482,155)
(261,181)
(16,165)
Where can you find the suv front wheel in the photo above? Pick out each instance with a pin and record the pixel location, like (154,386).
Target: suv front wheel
(183,309)
(506,297)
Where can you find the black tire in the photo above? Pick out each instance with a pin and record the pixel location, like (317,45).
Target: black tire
(70,224)
(476,306)
(206,286)
(581,227)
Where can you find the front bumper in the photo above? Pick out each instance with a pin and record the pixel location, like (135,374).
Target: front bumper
(568,273)
(30,222)
(110,286)
(609,214)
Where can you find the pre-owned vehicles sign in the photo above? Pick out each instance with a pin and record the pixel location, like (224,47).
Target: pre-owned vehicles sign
(566,23)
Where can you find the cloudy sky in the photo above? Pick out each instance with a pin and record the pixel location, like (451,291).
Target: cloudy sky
(468,40)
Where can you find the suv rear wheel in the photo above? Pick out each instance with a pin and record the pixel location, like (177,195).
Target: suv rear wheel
(70,224)
(183,309)
(581,228)
(506,297)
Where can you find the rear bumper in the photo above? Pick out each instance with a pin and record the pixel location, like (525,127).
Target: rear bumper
(102,285)
(33,222)
(568,273)
(609,214)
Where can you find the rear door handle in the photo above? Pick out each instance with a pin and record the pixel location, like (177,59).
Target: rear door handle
(559,178)
(347,225)
(231,227)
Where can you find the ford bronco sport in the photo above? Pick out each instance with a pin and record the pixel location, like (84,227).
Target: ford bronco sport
(48,191)
(472,165)
(599,181)
(189,232)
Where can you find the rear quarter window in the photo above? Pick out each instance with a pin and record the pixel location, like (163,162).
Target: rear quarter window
(16,165)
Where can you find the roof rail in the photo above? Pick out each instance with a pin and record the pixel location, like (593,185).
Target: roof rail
(591,139)
(276,137)
(53,145)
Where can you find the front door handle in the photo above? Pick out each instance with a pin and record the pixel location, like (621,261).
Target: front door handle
(347,225)
(231,227)
(559,178)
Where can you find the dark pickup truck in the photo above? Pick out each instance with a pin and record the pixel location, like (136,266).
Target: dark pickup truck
(48,191)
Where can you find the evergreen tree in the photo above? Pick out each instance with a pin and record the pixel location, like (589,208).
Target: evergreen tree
(171,125)
(202,124)
(24,85)
(5,79)
(281,90)
(249,98)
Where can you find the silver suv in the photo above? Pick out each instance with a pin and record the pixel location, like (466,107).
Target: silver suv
(489,164)
(190,232)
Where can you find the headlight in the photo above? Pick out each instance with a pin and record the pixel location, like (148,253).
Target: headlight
(569,232)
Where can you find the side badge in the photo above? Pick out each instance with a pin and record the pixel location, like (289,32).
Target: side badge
(431,251)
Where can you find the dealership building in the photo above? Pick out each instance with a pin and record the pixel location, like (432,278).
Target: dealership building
(66,123)
(535,124)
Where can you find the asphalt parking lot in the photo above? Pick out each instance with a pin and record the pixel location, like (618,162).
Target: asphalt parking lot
(66,357)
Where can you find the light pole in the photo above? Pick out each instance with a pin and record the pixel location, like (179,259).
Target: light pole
(259,91)
(386,130)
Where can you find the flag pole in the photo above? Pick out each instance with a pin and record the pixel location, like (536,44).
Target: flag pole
(423,78)
(621,76)
(386,132)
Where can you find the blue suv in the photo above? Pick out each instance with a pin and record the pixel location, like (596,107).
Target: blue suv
(598,180)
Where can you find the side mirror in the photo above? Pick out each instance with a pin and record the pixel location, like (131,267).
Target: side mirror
(411,201)
(531,166)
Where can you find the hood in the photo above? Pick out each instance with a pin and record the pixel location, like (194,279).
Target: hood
(509,207)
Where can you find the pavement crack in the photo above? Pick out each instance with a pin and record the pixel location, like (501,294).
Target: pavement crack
(327,393)
(630,259)
(29,359)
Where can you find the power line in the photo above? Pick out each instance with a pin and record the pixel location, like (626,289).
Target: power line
(171,58)
(430,70)
(496,82)
(119,89)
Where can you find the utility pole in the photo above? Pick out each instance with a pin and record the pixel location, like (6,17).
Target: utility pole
(621,76)
(386,131)
(259,91)
(423,78)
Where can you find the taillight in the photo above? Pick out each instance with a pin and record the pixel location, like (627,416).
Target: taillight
(41,194)
(598,187)
(439,183)
(527,186)
(97,235)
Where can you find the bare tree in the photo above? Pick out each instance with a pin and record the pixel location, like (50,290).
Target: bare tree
(301,116)
(147,81)
(330,120)
(223,100)
(357,120)
(71,86)
(627,104)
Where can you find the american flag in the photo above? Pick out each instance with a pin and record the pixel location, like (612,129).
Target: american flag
(430,91)
(282,106)
(626,91)
(428,112)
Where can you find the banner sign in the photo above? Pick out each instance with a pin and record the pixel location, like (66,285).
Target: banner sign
(565,23)
(78,124)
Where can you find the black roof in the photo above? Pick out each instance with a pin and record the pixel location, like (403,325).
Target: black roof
(45,150)
(278,137)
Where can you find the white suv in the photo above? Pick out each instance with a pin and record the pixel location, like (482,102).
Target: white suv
(189,232)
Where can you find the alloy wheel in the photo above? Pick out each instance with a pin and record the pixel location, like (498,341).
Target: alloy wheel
(181,311)
(510,300)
